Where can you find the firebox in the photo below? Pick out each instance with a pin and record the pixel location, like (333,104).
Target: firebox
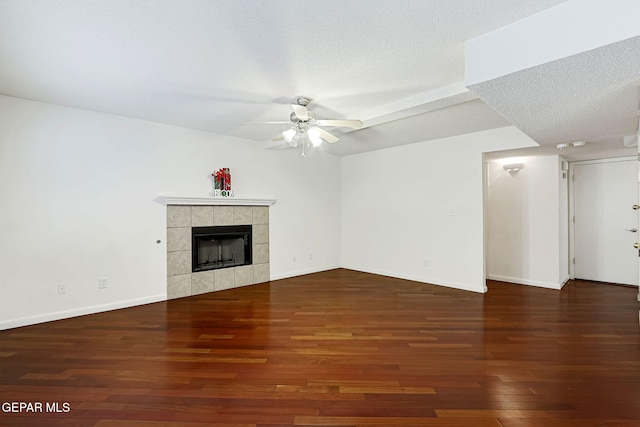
(220,247)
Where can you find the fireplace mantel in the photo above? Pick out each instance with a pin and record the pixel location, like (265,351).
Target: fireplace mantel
(211,201)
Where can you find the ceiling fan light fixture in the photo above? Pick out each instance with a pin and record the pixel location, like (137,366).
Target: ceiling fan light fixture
(289,134)
(314,136)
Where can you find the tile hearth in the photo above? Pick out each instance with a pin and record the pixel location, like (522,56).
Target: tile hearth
(181,282)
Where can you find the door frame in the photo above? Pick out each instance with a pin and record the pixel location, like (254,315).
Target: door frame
(572,211)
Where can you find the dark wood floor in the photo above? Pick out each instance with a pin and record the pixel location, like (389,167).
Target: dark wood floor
(339,348)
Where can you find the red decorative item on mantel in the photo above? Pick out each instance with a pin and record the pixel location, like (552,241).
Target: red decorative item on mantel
(227,179)
(222,183)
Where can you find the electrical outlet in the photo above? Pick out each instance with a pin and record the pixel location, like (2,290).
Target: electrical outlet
(310,255)
(62,289)
(293,259)
(426,263)
(102,283)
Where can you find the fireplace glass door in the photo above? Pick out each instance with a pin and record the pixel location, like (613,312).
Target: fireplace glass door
(221,247)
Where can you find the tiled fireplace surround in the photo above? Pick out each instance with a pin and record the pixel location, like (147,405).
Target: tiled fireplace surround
(181,282)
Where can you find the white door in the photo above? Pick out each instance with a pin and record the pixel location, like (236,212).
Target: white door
(605,222)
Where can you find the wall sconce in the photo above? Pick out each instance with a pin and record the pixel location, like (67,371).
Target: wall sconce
(513,167)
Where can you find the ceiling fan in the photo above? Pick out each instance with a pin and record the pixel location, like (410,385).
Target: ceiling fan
(303,128)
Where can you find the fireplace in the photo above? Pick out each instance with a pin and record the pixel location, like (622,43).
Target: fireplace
(221,247)
(205,216)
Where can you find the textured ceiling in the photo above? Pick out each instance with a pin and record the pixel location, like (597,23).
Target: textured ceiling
(592,96)
(215,65)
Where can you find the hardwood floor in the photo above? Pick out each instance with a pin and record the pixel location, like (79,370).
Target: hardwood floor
(338,348)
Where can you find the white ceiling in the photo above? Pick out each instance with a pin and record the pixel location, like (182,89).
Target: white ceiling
(215,65)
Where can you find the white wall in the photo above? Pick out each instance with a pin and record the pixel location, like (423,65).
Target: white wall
(527,234)
(404,205)
(78,193)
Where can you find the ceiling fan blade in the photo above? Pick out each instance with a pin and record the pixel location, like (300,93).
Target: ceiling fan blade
(355,124)
(278,137)
(267,123)
(329,137)
(301,112)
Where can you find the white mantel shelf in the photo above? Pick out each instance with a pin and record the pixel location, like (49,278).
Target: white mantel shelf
(214,201)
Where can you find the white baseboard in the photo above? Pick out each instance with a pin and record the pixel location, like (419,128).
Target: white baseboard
(428,280)
(303,272)
(528,282)
(48,317)
(58,315)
